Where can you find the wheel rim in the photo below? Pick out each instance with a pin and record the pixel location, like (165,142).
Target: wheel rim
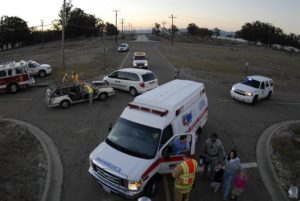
(65,104)
(132,91)
(42,74)
(103,96)
(13,88)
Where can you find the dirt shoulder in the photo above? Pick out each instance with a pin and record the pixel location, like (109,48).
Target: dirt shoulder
(23,166)
(285,155)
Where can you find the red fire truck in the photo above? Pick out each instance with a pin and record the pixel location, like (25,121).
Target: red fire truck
(13,76)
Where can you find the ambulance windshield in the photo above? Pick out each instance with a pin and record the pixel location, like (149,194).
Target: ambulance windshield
(134,139)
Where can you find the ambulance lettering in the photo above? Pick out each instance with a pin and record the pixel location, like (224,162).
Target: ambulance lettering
(110,166)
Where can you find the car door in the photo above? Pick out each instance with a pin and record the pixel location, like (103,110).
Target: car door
(32,68)
(262,90)
(168,161)
(123,80)
(113,80)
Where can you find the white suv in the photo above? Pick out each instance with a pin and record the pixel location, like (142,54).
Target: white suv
(41,70)
(136,81)
(139,60)
(253,88)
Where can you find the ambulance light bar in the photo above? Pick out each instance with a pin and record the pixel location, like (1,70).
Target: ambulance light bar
(158,111)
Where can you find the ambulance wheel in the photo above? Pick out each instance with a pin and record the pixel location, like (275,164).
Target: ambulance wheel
(132,91)
(65,104)
(13,88)
(150,188)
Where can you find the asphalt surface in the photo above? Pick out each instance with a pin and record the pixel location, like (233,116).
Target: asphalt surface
(79,129)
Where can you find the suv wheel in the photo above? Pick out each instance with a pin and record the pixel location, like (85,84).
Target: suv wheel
(65,104)
(42,73)
(269,95)
(13,88)
(132,91)
(103,96)
(254,100)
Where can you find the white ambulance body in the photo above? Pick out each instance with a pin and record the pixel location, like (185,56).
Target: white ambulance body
(138,147)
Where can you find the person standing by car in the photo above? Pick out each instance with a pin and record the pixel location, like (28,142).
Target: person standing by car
(89,91)
(232,164)
(213,153)
(184,175)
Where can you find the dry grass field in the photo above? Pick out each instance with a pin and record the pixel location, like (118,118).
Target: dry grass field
(225,62)
(85,57)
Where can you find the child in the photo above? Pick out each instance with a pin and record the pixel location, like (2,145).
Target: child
(239,183)
(218,177)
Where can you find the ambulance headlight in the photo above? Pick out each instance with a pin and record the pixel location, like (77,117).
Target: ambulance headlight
(134,185)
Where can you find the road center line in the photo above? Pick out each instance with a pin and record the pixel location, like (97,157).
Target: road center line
(123,61)
(24,99)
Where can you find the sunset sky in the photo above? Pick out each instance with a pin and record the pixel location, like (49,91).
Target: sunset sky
(227,15)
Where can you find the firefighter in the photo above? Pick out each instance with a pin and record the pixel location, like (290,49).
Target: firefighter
(74,77)
(184,175)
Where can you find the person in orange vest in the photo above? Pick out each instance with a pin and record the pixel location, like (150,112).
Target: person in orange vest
(184,175)
(74,77)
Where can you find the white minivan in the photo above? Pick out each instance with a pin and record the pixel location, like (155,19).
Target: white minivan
(138,149)
(136,81)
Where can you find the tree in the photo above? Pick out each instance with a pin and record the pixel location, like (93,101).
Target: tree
(216,31)
(192,29)
(156,29)
(175,29)
(80,24)
(204,32)
(111,29)
(13,30)
(68,8)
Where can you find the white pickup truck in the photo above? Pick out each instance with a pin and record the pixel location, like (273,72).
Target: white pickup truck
(41,70)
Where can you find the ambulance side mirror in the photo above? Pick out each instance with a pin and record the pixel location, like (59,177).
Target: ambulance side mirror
(166,153)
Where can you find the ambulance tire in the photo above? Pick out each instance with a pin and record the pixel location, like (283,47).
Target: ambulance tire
(150,188)
(13,88)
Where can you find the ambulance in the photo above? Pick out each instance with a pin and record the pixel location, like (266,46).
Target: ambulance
(139,147)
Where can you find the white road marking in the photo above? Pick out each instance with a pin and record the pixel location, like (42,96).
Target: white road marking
(243,165)
(123,61)
(166,59)
(24,99)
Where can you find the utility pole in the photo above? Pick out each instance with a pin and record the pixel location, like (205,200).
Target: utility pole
(63,34)
(172,28)
(42,30)
(116,11)
(122,22)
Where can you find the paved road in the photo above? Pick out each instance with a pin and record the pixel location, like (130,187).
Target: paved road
(77,130)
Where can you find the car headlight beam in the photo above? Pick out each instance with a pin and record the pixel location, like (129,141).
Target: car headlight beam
(134,185)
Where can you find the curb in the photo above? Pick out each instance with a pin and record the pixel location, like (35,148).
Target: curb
(264,162)
(53,184)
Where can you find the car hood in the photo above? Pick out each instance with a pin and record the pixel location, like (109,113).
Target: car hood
(118,163)
(45,66)
(245,88)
